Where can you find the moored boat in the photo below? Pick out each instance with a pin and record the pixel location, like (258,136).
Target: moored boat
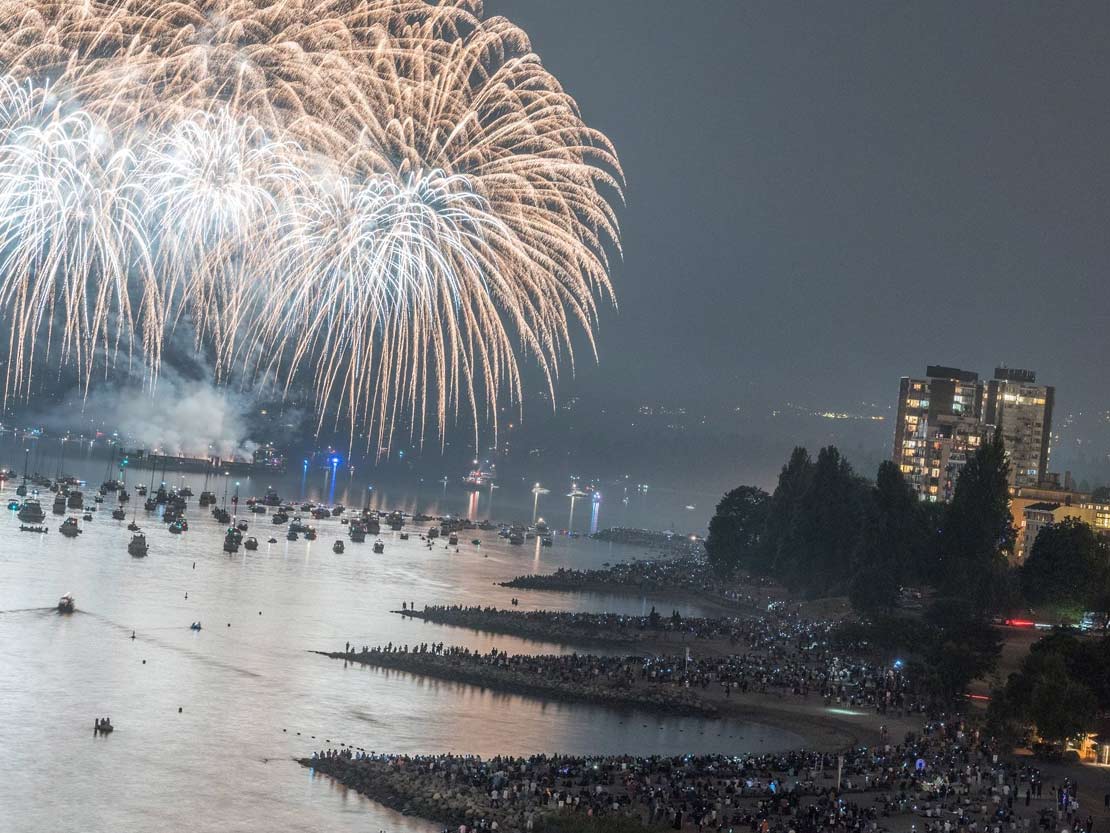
(251,543)
(337,546)
(69,528)
(138,546)
(379,546)
(67,603)
(31,511)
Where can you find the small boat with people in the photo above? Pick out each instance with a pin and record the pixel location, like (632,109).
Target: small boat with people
(291,535)
(404,536)
(59,507)
(103,726)
(379,546)
(177,527)
(67,604)
(31,512)
(133,527)
(69,528)
(118,515)
(33,528)
(310,534)
(337,547)
(195,626)
(250,543)
(87,516)
(138,546)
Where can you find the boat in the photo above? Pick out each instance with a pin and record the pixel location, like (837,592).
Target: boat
(98,498)
(207,498)
(279,518)
(13,504)
(141,490)
(59,507)
(122,496)
(357,533)
(337,546)
(195,626)
(118,515)
(67,603)
(241,526)
(138,546)
(404,536)
(31,511)
(480,477)
(185,491)
(379,546)
(271,541)
(87,516)
(69,528)
(221,515)
(177,527)
(453,539)
(310,534)
(231,545)
(395,520)
(541,527)
(321,513)
(133,527)
(516,536)
(371,524)
(476,541)
(150,504)
(271,498)
(103,727)
(291,535)
(433,532)
(38,529)
(21,489)
(251,543)
(546,540)
(338,509)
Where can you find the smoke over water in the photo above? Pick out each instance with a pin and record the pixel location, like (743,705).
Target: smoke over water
(181,417)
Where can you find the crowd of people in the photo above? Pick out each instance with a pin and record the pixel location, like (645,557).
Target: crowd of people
(687,573)
(777,660)
(943,779)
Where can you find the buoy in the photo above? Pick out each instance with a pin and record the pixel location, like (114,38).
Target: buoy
(179,709)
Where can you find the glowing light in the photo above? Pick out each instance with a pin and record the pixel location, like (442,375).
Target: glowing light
(392,198)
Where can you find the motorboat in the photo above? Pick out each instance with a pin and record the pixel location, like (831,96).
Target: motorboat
(546,540)
(476,541)
(185,491)
(541,527)
(150,504)
(138,545)
(221,515)
(516,536)
(103,727)
(271,541)
(291,535)
(395,520)
(69,528)
(118,515)
(231,545)
(141,490)
(133,527)
(251,543)
(59,507)
(34,528)
(310,534)
(195,626)
(13,505)
(337,546)
(123,497)
(357,534)
(404,536)
(453,539)
(338,509)
(271,498)
(433,532)
(279,518)
(87,516)
(21,489)
(31,511)
(177,527)
(321,513)
(67,603)
(379,547)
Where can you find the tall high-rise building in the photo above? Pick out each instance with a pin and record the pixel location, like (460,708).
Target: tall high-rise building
(939,427)
(944,416)
(1014,402)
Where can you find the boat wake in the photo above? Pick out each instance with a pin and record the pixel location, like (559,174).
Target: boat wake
(203,659)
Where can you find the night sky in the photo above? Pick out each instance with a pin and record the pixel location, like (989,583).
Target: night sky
(824,197)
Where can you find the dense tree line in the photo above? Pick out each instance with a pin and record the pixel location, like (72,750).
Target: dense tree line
(825,531)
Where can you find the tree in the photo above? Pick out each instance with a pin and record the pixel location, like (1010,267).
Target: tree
(1067,566)
(886,551)
(736,529)
(829,525)
(780,543)
(977,530)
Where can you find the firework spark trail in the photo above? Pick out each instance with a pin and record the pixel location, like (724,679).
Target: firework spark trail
(390,196)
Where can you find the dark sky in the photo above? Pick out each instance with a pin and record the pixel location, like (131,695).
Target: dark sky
(823,197)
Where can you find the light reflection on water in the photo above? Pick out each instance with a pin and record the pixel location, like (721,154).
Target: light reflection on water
(224,762)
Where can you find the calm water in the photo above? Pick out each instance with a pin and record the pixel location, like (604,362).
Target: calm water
(246,683)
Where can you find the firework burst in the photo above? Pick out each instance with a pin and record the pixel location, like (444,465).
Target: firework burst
(392,197)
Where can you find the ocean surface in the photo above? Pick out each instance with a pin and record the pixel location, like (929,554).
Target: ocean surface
(208,723)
